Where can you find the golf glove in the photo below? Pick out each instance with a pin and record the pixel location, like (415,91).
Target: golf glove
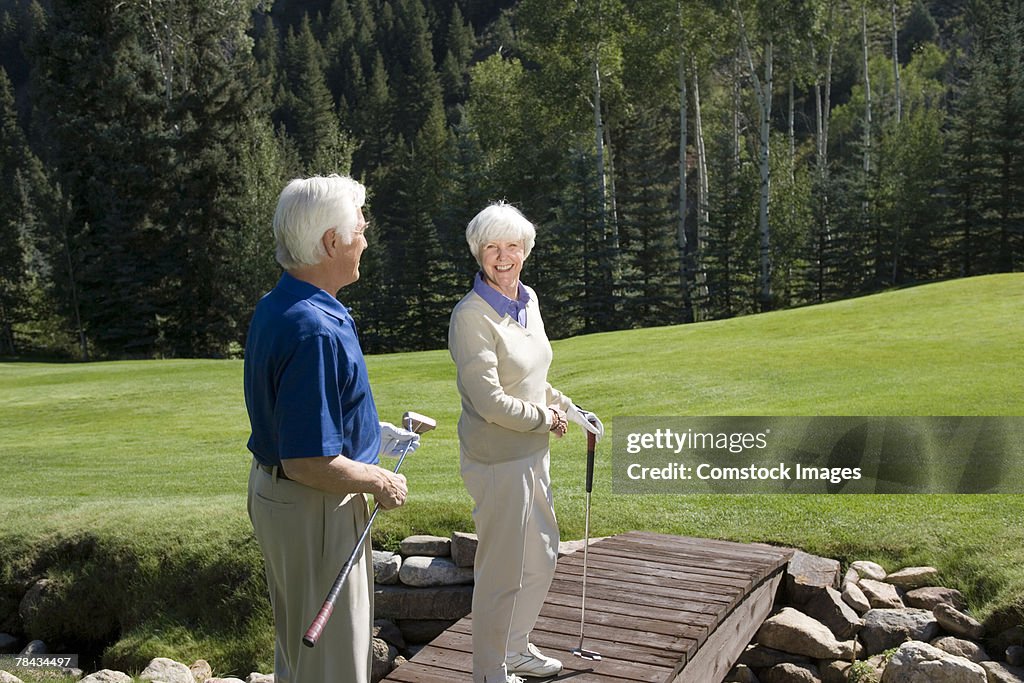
(394,440)
(587,420)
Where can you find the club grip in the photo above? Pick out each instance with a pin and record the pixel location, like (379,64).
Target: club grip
(317,627)
(591,447)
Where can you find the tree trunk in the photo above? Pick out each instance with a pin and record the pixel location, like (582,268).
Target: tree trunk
(703,218)
(896,64)
(681,242)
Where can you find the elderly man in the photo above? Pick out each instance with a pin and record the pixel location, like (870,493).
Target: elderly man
(316,438)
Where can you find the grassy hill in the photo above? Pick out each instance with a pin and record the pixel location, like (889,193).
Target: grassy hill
(125,482)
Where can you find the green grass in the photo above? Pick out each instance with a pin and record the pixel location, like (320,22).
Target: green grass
(125,482)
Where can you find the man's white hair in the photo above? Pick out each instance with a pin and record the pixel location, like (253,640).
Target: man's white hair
(499,222)
(309,207)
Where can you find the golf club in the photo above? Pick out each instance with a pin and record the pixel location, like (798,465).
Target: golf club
(418,424)
(580,651)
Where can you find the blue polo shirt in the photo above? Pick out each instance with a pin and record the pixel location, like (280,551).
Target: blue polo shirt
(306,386)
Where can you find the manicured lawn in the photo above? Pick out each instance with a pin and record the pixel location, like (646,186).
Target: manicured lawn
(128,479)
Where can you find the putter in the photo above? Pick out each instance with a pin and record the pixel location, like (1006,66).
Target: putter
(414,422)
(580,651)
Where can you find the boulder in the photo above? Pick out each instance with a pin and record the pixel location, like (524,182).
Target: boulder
(827,606)
(835,671)
(915,662)
(35,647)
(8,644)
(888,628)
(257,677)
(793,631)
(791,673)
(741,673)
(386,567)
(855,598)
(7,677)
(850,577)
(429,546)
(405,602)
(930,596)
(107,676)
(913,577)
(383,661)
(423,630)
(201,670)
(1002,673)
(389,632)
(464,549)
(164,670)
(1015,655)
(225,680)
(807,574)
(868,570)
(881,595)
(957,623)
(967,649)
(433,571)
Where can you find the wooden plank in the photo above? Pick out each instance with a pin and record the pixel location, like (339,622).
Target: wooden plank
(717,656)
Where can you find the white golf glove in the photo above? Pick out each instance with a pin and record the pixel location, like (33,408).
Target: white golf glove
(587,420)
(394,440)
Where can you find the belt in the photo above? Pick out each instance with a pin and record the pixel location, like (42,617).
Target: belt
(270,470)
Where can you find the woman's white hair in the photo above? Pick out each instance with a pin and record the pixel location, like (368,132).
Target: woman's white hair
(499,222)
(309,207)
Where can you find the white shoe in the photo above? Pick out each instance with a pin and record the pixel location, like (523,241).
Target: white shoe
(532,663)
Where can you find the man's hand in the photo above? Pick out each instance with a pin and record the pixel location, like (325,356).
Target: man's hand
(392,489)
(394,440)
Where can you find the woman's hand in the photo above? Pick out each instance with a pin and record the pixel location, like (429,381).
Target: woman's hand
(559,422)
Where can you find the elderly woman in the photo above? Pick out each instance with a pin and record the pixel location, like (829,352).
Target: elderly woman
(502,355)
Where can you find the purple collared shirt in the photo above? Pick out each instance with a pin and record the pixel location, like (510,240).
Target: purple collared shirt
(516,308)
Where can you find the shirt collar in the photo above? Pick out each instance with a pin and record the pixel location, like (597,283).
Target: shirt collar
(314,295)
(499,302)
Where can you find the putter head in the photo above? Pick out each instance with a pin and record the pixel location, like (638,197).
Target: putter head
(415,422)
(589,655)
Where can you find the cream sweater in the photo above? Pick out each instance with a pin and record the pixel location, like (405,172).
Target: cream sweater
(502,378)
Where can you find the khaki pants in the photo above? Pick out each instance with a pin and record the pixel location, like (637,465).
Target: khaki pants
(306,535)
(515,558)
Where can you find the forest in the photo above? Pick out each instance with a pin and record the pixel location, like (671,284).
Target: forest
(683,160)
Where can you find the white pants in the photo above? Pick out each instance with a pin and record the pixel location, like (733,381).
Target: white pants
(306,535)
(515,558)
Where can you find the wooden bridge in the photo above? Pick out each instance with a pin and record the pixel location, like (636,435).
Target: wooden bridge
(659,608)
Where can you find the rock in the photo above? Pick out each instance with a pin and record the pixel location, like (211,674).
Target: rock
(383,660)
(386,567)
(961,648)
(791,673)
(741,673)
(1001,673)
(107,676)
(881,595)
(792,631)
(6,677)
(850,577)
(807,574)
(758,656)
(256,677)
(888,628)
(429,546)
(835,671)
(915,661)
(956,622)
(201,670)
(423,630)
(868,570)
(164,670)
(930,596)
(1015,655)
(463,549)
(8,644)
(913,577)
(828,608)
(225,680)
(34,599)
(36,647)
(389,632)
(855,598)
(404,602)
(433,571)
